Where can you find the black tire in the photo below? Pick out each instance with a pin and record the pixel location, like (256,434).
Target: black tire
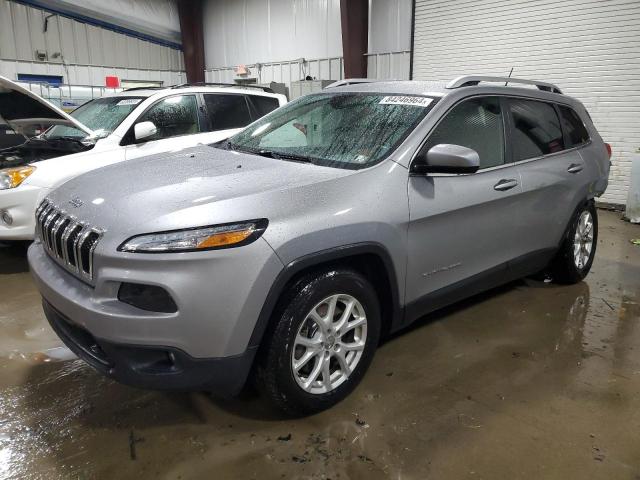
(274,374)
(564,269)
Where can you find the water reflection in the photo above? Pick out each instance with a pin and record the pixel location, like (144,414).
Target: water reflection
(455,376)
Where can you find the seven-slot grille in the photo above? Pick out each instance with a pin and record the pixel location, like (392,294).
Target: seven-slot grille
(70,242)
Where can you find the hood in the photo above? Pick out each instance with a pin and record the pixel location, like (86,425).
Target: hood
(21,109)
(196,186)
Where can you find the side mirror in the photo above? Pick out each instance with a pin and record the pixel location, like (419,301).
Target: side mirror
(144,130)
(446,158)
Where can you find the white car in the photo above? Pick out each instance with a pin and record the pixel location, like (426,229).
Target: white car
(107,130)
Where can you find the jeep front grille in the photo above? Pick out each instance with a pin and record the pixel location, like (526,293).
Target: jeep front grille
(68,241)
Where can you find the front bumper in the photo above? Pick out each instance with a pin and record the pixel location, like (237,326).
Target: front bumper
(20,203)
(158,368)
(219,295)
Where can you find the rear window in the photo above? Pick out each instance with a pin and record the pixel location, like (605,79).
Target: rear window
(575,132)
(537,129)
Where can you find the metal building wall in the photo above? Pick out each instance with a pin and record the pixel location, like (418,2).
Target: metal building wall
(284,72)
(590,48)
(156,18)
(88,53)
(276,33)
(389,39)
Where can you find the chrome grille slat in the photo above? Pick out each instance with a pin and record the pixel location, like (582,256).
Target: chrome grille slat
(47,226)
(81,239)
(43,216)
(65,238)
(69,242)
(54,232)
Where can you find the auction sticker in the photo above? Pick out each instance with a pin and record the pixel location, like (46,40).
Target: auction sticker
(129,101)
(407,100)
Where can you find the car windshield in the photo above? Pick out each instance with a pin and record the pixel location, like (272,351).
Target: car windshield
(344,130)
(102,116)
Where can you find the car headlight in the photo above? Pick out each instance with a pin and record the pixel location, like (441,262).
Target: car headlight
(12,177)
(227,235)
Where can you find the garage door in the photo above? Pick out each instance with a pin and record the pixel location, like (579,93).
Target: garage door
(589,48)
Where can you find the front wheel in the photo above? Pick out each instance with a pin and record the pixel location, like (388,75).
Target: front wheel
(326,332)
(576,254)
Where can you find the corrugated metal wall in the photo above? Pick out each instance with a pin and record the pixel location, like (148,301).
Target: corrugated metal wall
(590,48)
(389,39)
(156,18)
(89,52)
(267,31)
(277,33)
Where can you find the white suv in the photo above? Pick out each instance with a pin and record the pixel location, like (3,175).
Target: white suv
(130,124)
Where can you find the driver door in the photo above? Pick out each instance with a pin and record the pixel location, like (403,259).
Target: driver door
(461,231)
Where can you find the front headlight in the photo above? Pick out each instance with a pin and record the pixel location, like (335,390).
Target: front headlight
(12,177)
(195,239)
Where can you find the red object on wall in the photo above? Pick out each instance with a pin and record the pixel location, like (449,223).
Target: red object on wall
(111,81)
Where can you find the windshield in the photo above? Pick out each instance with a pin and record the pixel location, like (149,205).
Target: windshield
(102,116)
(345,130)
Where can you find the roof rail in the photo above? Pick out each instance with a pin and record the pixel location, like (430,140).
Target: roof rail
(353,81)
(471,80)
(215,84)
(130,89)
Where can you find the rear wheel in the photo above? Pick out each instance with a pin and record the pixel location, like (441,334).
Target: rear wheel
(324,339)
(576,254)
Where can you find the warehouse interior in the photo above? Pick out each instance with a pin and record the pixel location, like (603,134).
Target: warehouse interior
(531,379)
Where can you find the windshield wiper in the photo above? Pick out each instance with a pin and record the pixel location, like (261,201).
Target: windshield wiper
(67,139)
(283,156)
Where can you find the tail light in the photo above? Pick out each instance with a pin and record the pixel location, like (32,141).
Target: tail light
(608,147)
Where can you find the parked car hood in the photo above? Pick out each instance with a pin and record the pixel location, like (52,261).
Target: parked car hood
(20,109)
(197,186)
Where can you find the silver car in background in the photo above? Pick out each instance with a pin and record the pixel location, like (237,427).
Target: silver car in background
(287,252)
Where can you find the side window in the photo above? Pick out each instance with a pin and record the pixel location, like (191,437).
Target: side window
(173,116)
(537,129)
(476,124)
(227,111)
(260,106)
(573,127)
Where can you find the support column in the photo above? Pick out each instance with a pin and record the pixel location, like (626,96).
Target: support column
(354,16)
(190,13)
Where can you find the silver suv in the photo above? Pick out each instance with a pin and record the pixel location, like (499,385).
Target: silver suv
(287,252)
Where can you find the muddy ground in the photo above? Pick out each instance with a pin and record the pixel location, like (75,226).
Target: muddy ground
(531,380)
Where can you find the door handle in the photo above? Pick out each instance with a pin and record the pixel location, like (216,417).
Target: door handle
(505,184)
(575,168)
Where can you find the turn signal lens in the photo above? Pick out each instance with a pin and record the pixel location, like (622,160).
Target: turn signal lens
(12,177)
(194,239)
(609,151)
(221,239)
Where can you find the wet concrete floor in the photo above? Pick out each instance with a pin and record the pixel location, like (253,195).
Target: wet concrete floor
(531,380)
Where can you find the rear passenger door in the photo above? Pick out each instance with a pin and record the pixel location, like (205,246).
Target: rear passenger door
(544,141)
(461,232)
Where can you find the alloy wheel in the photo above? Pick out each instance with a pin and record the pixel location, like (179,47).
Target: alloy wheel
(329,344)
(583,240)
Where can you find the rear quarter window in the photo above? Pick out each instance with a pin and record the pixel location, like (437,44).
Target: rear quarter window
(576,133)
(260,105)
